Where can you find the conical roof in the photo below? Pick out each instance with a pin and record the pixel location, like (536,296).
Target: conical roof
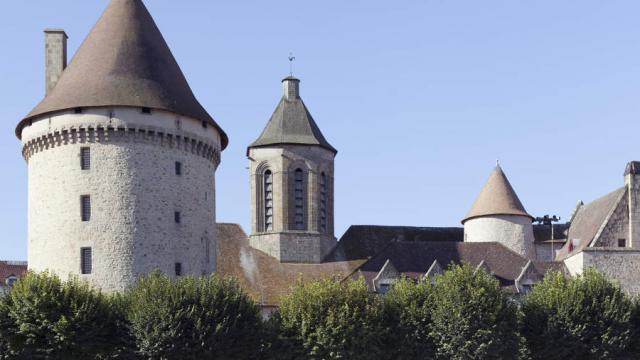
(496,198)
(291,122)
(124,61)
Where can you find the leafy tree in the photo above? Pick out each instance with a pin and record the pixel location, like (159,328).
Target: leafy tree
(327,319)
(412,303)
(45,318)
(193,318)
(587,317)
(472,318)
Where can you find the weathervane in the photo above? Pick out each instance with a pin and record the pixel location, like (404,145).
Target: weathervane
(291,59)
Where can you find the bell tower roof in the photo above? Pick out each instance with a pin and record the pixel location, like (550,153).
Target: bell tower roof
(124,61)
(291,122)
(497,197)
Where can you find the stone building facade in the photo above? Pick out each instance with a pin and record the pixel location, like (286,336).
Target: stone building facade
(121,159)
(291,176)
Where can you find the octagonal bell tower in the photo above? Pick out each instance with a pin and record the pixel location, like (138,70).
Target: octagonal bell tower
(121,158)
(292,184)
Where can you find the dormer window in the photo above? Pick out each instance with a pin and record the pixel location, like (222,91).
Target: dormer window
(622,243)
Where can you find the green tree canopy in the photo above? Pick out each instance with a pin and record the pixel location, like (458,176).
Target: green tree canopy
(45,318)
(472,318)
(412,303)
(328,319)
(588,317)
(193,318)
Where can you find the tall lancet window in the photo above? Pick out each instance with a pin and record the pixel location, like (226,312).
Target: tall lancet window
(299,199)
(268,200)
(323,203)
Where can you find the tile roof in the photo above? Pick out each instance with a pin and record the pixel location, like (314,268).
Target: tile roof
(291,123)
(9,268)
(588,220)
(497,197)
(124,61)
(415,258)
(262,276)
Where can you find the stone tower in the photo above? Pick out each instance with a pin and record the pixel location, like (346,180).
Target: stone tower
(121,158)
(498,216)
(292,184)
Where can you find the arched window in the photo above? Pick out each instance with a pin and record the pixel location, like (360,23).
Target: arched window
(299,199)
(323,203)
(268,201)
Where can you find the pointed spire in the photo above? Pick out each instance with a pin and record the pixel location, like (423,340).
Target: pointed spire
(496,198)
(124,61)
(291,122)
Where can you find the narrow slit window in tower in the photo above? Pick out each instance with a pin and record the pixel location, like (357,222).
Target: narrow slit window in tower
(85,158)
(178,269)
(268,200)
(299,199)
(85,205)
(85,260)
(323,203)
(178,168)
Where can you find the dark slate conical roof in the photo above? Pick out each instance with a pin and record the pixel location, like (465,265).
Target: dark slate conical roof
(291,122)
(124,61)
(496,198)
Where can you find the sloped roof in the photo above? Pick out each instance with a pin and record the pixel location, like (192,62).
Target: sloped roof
(497,197)
(363,241)
(588,220)
(263,277)
(291,123)
(11,268)
(124,61)
(414,259)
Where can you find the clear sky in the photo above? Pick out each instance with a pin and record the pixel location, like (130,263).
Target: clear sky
(419,97)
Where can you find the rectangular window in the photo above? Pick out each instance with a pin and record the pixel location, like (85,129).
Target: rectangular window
(85,204)
(178,269)
(178,168)
(622,243)
(176,217)
(85,260)
(145,110)
(85,158)
(78,110)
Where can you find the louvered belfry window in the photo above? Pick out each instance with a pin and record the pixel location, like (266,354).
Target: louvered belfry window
(268,200)
(85,205)
(299,199)
(86,260)
(323,203)
(85,158)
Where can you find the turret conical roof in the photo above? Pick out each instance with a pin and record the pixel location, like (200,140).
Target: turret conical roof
(496,198)
(124,61)
(291,122)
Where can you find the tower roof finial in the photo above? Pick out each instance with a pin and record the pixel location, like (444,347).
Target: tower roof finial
(291,60)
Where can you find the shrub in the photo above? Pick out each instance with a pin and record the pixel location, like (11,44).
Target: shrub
(327,319)
(43,317)
(193,318)
(472,318)
(587,317)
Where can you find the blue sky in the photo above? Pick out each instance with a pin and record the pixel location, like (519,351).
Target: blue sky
(419,97)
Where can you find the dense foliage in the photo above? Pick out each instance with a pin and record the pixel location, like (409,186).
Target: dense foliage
(587,317)
(45,318)
(328,319)
(193,318)
(412,303)
(461,314)
(472,318)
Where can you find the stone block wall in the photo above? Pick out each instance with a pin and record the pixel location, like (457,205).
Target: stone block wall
(134,193)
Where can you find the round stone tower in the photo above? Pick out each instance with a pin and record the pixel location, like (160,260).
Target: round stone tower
(121,158)
(292,184)
(498,216)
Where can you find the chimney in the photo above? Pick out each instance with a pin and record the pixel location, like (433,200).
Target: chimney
(291,88)
(631,180)
(55,41)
